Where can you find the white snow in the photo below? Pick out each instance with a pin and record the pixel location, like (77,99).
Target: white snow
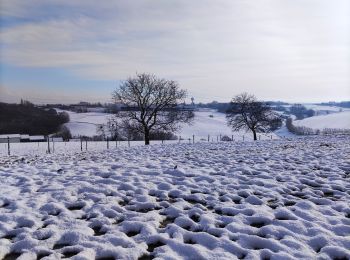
(273,199)
(340,120)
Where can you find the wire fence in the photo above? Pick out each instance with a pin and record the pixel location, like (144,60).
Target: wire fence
(50,146)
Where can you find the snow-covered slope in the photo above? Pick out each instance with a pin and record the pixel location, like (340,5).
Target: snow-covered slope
(340,120)
(253,200)
(209,122)
(85,124)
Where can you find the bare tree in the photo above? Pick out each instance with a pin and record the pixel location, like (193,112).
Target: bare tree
(101,130)
(112,127)
(247,113)
(147,103)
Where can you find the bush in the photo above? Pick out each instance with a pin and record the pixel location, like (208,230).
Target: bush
(64,133)
(226,138)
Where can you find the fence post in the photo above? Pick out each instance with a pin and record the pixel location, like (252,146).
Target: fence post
(128,142)
(162,141)
(48,144)
(208,138)
(53,145)
(217,138)
(107,143)
(116,143)
(232,138)
(85,144)
(193,138)
(8,146)
(81,144)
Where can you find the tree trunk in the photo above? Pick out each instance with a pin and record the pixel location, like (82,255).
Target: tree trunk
(146,137)
(254,133)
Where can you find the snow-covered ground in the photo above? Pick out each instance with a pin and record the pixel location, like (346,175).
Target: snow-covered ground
(340,120)
(274,199)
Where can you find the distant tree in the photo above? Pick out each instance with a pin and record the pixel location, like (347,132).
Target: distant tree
(301,111)
(101,131)
(246,112)
(113,128)
(64,132)
(148,103)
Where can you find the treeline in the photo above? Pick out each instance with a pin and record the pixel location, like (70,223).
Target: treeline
(299,130)
(301,111)
(302,130)
(26,118)
(345,104)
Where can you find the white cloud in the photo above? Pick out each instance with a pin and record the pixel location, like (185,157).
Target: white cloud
(291,49)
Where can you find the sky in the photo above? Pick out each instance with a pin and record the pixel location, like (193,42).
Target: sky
(64,51)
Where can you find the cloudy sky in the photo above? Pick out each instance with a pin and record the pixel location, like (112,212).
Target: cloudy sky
(67,51)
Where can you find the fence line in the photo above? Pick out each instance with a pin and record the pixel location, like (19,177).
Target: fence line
(73,145)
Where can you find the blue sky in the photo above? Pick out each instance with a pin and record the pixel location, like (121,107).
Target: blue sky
(68,51)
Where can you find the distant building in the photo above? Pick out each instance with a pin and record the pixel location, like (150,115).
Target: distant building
(13,138)
(56,139)
(25,138)
(37,138)
(17,138)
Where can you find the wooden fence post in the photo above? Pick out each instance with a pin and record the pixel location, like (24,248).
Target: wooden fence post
(107,143)
(85,144)
(81,144)
(48,144)
(53,145)
(8,146)
(193,138)
(128,142)
(208,138)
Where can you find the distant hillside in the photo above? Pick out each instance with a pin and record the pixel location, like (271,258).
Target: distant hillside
(340,120)
(26,118)
(345,104)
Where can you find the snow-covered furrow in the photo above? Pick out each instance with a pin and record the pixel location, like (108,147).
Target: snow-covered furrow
(273,199)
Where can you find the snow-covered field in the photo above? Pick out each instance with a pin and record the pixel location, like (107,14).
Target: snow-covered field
(206,122)
(85,124)
(254,200)
(340,120)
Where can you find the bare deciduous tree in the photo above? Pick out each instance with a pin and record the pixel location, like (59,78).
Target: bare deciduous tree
(148,103)
(247,113)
